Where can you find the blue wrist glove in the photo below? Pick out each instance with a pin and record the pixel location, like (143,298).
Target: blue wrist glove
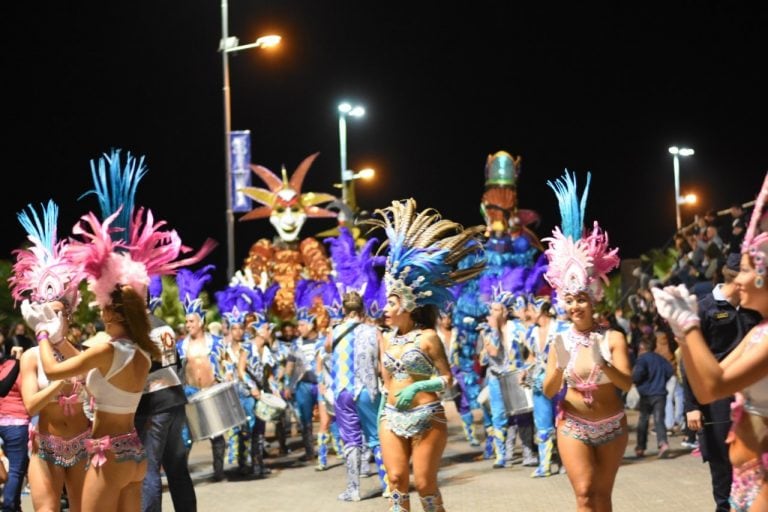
(405,396)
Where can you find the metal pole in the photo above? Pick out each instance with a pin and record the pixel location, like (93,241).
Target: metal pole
(676,163)
(228,143)
(343,157)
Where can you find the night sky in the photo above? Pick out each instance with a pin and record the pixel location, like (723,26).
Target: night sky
(605,90)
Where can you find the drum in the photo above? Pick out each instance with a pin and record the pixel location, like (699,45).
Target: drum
(517,399)
(270,407)
(214,410)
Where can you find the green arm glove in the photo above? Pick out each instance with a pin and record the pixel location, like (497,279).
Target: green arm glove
(405,396)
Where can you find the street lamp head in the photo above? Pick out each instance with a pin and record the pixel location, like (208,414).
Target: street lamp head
(366,173)
(268,41)
(344,107)
(690,198)
(674,150)
(358,111)
(354,111)
(686,151)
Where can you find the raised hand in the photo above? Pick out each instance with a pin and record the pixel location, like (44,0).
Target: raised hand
(563,356)
(678,307)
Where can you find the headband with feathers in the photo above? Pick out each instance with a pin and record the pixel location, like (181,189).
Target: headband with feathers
(424,254)
(45,271)
(190,285)
(579,261)
(235,302)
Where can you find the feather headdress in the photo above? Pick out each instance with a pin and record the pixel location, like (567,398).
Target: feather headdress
(128,246)
(155,292)
(190,285)
(307,290)
(235,302)
(355,270)
(756,238)
(45,271)
(424,254)
(579,261)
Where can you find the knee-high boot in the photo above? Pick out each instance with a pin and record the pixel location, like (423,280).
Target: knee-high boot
(468,423)
(530,457)
(546,446)
(322,451)
(510,444)
(257,459)
(488,451)
(400,501)
(352,460)
(365,461)
(499,447)
(218,447)
(338,444)
(433,503)
(282,436)
(380,468)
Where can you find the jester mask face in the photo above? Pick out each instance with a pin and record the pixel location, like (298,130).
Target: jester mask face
(287,215)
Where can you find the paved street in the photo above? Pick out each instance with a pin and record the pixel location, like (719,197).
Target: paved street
(677,484)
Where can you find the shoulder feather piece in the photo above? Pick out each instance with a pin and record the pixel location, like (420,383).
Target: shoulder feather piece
(756,238)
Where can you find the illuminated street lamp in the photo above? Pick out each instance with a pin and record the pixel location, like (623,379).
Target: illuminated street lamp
(347,191)
(227,45)
(675,151)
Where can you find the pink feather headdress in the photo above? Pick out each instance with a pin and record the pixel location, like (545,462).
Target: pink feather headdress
(756,238)
(45,271)
(128,247)
(578,261)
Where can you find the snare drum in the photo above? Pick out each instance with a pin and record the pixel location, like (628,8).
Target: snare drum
(214,410)
(270,407)
(517,399)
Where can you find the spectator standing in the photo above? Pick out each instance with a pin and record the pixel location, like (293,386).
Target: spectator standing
(650,375)
(14,422)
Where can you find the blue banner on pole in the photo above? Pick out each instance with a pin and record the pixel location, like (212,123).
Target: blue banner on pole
(240,142)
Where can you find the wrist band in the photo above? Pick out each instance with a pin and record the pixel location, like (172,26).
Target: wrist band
(42,335)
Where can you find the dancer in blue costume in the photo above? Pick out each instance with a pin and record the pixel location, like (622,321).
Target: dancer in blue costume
(539,341)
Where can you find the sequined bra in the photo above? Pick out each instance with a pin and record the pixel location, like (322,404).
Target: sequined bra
(412,361)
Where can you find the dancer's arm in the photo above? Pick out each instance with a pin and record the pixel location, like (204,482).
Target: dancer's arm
(34,397)
(619,368)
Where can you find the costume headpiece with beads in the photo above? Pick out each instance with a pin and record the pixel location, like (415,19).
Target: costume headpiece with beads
(579,261)
(44,272)
(424,254)
(756,238)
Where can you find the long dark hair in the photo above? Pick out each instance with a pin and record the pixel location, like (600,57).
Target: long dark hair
(131,306)
(425,316)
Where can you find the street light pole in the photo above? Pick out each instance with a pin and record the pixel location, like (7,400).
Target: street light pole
(347,192)
(227,142)
(226,46)
(675,151)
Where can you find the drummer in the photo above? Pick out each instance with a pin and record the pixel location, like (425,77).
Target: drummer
(495,351)
(300,368)
(200,352)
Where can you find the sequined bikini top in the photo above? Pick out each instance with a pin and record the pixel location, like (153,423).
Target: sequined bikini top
(412,361)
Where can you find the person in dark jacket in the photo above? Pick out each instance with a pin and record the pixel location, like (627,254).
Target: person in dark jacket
(650,376)
(723,325)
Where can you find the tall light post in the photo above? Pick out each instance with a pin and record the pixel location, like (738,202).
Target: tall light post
(675,151)
(227,45)
(347,192)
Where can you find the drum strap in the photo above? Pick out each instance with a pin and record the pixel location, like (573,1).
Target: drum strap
(340,337)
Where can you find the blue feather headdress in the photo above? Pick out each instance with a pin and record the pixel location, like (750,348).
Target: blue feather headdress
(190,285)
(424,254)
